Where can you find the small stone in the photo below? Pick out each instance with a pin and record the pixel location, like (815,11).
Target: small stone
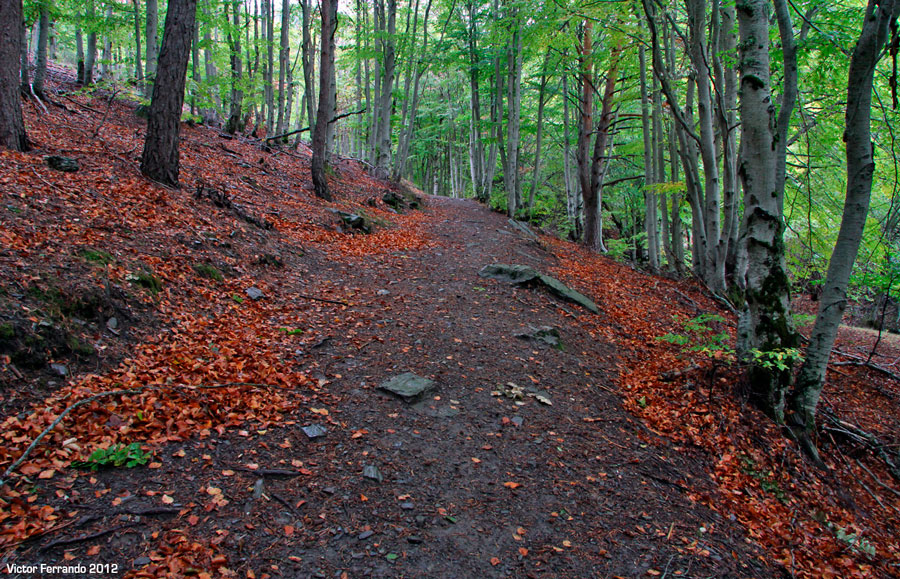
(60,369)
(383,292)
(408,386)
(64,164)
(314,431)
(414,540)
(407,506)
(141,561)
(371,472)
(517,420)
(112,323)
(365,535)
(254,293)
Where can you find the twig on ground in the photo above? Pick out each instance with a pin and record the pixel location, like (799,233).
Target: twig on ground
(88,537)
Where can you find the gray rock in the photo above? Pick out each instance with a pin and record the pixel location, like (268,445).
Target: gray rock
(523,229)
(383,292)
(517,420)
(414,540)
(522,274)
(60,369)
(365,535)
(254,293)
(408,386)
(314,431)
(64,164)
(545,334)
(141,561)
(354,221)
(371,472)
(112,323)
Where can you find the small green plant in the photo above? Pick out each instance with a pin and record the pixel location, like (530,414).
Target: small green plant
(146,280)
(766,480)
(780,359)
(96,256)
(289,332)
(115,456)
(803,319)
(208,271)
(237,298)
(618,248)
(7,331)
(699,336)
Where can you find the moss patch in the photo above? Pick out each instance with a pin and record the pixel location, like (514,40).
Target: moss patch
(207,271)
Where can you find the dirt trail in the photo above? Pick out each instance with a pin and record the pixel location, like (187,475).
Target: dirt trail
(473,484)
(594,493)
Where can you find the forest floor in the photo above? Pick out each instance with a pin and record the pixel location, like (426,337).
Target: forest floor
(614,454)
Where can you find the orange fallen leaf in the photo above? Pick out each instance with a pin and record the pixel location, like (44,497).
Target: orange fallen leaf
(95,550)
(289,530)
(511,485)
(167,499)
(47,473)
(320,411)
(495,561)
(523,551)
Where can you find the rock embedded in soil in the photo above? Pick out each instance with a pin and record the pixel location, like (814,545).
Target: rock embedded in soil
(64,164)
(371,472)
(254,293)
(544,334)
(522,275)
(314,431)
(408,386)
(354,221)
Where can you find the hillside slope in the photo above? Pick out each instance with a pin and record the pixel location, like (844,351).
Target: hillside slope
(644,462)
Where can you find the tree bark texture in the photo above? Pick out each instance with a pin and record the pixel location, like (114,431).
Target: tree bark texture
(766,327)
(860,168)
(152,30)
(326,99)
(12,124)
(160,158)
(40,69)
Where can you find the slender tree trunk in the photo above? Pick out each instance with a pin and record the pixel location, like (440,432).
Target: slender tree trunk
(411,70)
(567,156)
(326,96)
(40,70)
(269,25)
(593,202)
(151,28)
(107,49)
(79,55)
(388,18)
(284,62)
(90,57)
(586,123)
(12,124)
(307,59)
(138,66)
(860,169)
(235,122)
(537,145)
(715,271)
(420,68)
(477,149)
(160,158)
(195,65)
(513,184)
(766,325)
(650,169)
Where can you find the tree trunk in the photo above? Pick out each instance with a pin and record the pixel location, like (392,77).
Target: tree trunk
(195,65)
(269,26)
(537,145)
(513,122)
(593,201)
(160,158)
(407,132)
(151,29)
(306,59)
(715,270)
(12,124)
(40,70)
(326,99)
(387,17)
(138,67)
(766,328)
(105,65)
(79,55)
(235,122)
(284,62)
(860,168)
(586,123)
(650,170)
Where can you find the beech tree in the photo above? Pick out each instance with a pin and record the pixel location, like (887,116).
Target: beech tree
(326,99)
(159,160)
(878,17)
(12,124)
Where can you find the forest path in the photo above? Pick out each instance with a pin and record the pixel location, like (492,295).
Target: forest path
(474,484)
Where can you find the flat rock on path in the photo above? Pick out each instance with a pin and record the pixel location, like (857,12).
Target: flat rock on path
(469,484)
